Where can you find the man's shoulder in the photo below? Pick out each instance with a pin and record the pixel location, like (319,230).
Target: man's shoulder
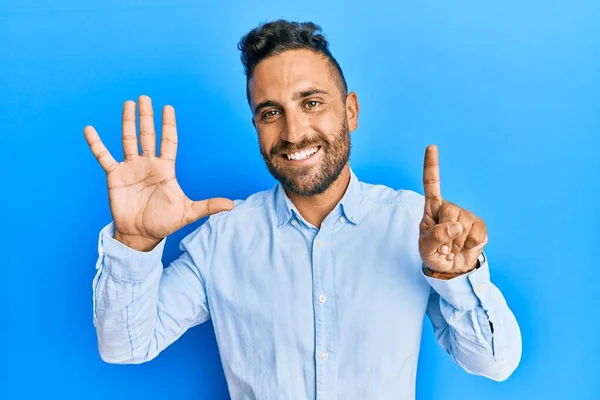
(382,194)
(254,203)
(245,211)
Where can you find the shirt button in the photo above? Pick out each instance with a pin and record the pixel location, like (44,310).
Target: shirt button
(319,243)
(324,356)
(322,298)
(342,220)
(294,222)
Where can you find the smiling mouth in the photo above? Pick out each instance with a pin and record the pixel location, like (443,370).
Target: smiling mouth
(302,155)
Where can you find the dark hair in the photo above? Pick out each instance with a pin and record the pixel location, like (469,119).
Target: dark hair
(279,36)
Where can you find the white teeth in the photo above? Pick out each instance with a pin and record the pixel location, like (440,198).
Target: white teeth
(301,155)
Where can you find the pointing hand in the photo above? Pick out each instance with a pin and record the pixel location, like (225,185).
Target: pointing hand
(451,238)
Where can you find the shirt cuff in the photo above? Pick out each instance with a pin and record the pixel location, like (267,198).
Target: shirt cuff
(123,262)
(464,292)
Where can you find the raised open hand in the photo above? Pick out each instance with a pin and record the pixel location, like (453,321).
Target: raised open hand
(146,202)
(451,238)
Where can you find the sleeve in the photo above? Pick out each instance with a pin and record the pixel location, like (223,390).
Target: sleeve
(139,308)
(473,323)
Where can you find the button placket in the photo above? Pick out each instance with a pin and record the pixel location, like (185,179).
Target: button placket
(321,322)
(324,309)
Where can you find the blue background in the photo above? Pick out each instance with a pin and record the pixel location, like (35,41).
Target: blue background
(509,92)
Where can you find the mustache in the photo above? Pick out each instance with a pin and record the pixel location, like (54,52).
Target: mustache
(285,147)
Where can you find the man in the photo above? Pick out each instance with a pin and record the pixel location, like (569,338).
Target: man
(317,288)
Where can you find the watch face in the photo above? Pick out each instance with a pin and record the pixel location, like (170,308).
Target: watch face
(481,259)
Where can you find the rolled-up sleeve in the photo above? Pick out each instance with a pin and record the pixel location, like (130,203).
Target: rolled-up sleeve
(139,308)
(474,324)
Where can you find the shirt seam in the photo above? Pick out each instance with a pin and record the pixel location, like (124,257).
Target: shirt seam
(244,206)
(211,243)
(130,332)
(391,200)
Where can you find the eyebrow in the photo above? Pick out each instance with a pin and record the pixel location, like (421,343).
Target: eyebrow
(296,96)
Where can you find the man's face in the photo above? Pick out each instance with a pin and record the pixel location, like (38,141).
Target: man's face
(302,119)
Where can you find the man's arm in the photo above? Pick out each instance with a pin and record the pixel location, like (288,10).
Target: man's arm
(472,322)
(138,308)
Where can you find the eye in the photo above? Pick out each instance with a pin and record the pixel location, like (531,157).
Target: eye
(312,104)
(269,114)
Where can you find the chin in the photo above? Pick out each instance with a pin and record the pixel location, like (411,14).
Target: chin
(308,185)
(306,190)
(305,181)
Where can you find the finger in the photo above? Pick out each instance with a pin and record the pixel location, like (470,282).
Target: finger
(147,133)
(431,176)
(106,160)
(477,235)
(168,142)
(440,235)
(427,222)
(449,212)
(466,219)
(130,145)
(472,254)
(204,208)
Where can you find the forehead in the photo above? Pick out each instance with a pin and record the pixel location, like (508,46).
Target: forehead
(279,76)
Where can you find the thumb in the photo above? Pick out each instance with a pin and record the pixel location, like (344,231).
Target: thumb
(439,235)
(204,208)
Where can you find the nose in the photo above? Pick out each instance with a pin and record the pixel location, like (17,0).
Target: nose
(294,128)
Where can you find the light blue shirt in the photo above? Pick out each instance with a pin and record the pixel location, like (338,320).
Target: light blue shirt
(301,312)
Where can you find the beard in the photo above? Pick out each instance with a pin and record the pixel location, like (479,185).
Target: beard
(313,179)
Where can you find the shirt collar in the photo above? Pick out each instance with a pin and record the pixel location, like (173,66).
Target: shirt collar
(351,203)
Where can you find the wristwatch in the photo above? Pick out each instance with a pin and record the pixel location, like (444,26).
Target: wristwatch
(447,275)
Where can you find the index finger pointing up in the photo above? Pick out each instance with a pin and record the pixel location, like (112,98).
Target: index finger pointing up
(431,175)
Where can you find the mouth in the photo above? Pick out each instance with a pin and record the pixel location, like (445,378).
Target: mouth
(303,157)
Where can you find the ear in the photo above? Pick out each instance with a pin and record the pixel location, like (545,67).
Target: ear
(352,109)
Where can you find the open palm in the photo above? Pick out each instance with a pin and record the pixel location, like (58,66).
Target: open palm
(146,201)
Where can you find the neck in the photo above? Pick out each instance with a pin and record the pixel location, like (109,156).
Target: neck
(315,208)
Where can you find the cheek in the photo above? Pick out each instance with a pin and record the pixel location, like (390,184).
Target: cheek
(330,131)
(266,139)
(328,123)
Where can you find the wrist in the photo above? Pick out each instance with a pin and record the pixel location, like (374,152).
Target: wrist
(136,242)
(449,275)
(442,275)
